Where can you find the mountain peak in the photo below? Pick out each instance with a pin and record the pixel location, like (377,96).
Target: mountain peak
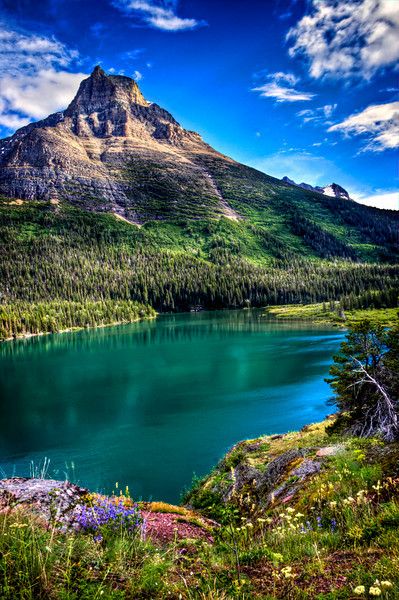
(334,189)
(101,91)
(97,71)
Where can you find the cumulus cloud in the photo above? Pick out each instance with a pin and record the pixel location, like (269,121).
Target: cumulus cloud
(280,87)
(347,38)
(379,123)
(34,81)
(159,15)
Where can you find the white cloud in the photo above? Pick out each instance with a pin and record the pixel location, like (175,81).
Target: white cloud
(280,88)
(41,94)
(160,15)
(12,121)
(137,76)
(388,200)
(317,115)
(348,37)
(379,122)
(33,79)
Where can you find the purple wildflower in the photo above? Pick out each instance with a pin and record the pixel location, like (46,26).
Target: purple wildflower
(108,514)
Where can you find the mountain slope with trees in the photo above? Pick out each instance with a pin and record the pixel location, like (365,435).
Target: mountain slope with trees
(112,200)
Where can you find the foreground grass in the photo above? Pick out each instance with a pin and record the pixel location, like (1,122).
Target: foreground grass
(337,538)
(321,313)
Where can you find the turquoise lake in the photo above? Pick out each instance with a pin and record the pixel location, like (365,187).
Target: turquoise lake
(150,404)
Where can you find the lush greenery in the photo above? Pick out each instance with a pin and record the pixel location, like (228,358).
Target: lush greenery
(63,253)
(335,539)
(376,306)
(21,318)
(327,312)
(365,379)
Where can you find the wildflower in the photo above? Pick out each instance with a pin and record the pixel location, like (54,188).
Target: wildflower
(290,509)
(299,515)
(287,572)
(333,504)
(374,591)
(359,590)
(386,584)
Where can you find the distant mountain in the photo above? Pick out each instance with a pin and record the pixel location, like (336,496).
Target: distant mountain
(334,190)
(112,151)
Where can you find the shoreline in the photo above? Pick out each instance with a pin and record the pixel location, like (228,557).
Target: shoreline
(27,336)
(314,313)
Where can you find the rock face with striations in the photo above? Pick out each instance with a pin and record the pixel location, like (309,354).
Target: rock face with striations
(112,150)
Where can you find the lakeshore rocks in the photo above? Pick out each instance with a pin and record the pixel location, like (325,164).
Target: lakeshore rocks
(51,500)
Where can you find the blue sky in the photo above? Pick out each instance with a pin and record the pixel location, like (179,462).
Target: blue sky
(304,88)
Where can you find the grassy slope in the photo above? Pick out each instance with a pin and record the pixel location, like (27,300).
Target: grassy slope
(335,530)
(317,314)
(268,203)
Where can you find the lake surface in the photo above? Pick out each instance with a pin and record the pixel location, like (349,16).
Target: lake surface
(149,404)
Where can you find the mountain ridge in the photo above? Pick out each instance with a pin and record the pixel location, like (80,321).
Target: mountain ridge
(211,222)
(333,189)
(90,150)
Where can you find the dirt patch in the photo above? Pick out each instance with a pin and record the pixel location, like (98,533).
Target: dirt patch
(167,527)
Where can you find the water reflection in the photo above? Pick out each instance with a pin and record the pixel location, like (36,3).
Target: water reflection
(150,402)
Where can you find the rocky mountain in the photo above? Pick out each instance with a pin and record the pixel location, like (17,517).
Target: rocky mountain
(334,190)
(111,150)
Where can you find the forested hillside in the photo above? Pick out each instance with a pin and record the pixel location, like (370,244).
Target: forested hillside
(58,252)
(143,210)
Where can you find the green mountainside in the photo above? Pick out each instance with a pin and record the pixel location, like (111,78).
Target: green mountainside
(113,200)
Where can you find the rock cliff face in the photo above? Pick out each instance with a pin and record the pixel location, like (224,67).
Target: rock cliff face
(111,150)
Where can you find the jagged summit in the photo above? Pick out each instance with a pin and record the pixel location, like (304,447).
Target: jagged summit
(112,150)
(334,190)
(100,90)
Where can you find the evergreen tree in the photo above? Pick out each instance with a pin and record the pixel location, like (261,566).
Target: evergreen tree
(365,379)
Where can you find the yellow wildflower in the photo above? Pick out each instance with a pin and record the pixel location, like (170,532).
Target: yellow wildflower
(374,591)
(359,590)
(386,584)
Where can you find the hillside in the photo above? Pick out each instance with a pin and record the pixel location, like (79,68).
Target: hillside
(113,200)
(299,516)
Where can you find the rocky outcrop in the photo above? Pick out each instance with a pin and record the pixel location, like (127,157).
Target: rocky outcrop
(111,150)
(52,501)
